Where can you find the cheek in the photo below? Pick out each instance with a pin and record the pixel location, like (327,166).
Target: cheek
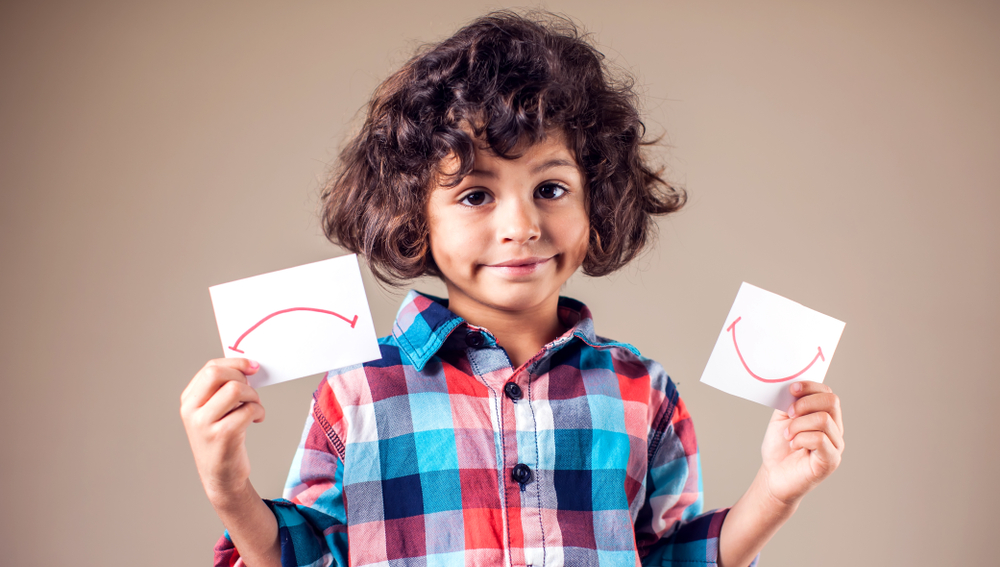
(438,230)
(439,246)
(575,236)
(452,247)
(435,240)
(583,240)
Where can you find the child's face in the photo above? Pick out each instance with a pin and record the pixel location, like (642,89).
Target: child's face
(513,231)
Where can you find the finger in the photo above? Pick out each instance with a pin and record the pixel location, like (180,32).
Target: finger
(818,402)
(807,387)
(213,375)
(243,365)
(231,430)
(240,418)
(821,422)
(819,445)
(227,398)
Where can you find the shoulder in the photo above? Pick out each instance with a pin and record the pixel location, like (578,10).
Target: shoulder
(621,357)
(632,367)
(670,423)
(345,397)
(643,380)
(355,385)
(649,395)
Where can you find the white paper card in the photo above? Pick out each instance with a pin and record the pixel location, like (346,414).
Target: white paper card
(768,343)
(297,322)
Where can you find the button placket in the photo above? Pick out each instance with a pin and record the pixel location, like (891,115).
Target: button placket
(525,457)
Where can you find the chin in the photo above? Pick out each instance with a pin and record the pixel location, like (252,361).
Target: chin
(521,299)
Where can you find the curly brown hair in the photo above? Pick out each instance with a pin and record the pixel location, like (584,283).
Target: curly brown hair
(505,80)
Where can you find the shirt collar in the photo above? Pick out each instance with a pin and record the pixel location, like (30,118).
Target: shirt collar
(424,323)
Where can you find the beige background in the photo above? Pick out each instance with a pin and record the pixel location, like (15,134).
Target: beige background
(844,154)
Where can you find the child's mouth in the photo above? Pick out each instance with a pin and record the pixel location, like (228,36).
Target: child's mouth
(520,266)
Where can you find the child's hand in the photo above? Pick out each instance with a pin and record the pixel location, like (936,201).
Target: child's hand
(217,407)
(802,447)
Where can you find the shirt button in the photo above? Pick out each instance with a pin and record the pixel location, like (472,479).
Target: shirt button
(521,474)
(475,339)
(513,391)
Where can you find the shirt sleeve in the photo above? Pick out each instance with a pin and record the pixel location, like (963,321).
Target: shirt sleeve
(311,516)
(671,528)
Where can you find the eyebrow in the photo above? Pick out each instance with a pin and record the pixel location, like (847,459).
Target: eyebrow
(557,162)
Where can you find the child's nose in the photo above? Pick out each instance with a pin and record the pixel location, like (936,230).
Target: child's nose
(519,223)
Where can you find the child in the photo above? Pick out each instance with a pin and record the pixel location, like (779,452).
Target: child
(497,428)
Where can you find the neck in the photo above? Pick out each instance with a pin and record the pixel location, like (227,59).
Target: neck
(521,333)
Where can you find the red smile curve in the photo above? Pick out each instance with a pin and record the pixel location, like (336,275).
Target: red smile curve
(732,329)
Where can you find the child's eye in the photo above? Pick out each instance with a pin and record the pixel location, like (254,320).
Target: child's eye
(550,191)
(476,199)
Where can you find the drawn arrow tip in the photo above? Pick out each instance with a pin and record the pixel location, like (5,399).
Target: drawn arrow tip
(236,349)
(733,324)
(821,357)
(353,321)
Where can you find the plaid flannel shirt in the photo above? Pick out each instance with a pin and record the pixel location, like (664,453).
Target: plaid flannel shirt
(441,453)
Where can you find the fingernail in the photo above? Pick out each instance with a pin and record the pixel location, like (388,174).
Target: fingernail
(791,410)
(786,433)
(253,364)
(797,387)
